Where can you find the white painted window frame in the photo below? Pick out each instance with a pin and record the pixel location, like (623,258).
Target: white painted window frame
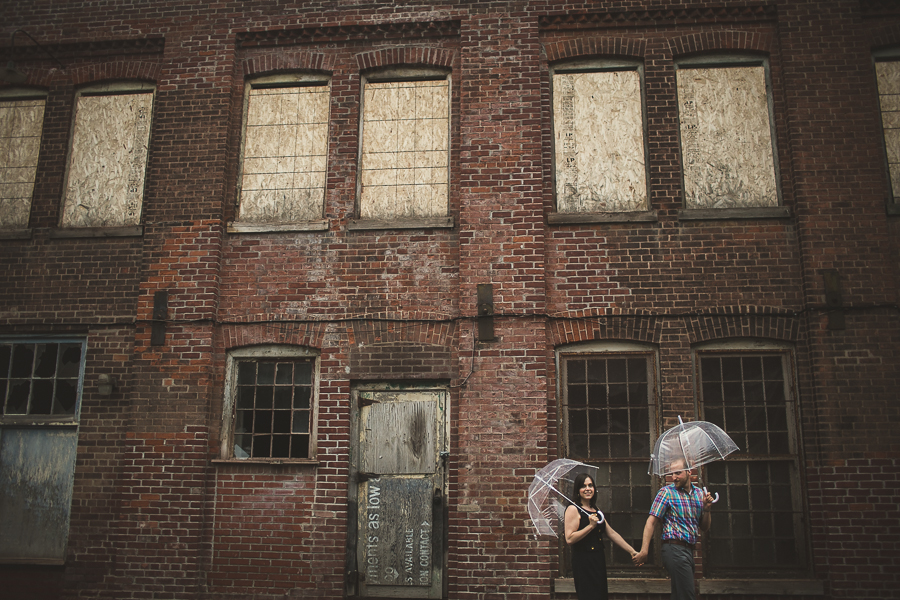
(267,351)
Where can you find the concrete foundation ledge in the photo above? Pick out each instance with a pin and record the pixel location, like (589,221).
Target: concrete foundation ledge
(775,587)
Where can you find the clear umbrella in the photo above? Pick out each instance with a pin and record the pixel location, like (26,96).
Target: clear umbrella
(690,444)
(546,503)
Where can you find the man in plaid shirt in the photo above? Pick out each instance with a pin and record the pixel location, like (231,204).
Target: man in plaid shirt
(683,511)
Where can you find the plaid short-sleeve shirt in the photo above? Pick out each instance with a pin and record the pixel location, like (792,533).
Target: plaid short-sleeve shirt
(680,511)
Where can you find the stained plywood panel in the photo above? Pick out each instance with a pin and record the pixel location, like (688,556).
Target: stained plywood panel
(108,161)
(599,135)
(726,139)
(888,74)
(405,149)
(285,146)
(398,436)
(397,547)
(21,122)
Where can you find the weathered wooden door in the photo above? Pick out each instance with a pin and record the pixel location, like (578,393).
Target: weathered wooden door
(400,473)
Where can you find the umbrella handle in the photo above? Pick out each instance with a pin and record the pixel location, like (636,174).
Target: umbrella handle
(716,499)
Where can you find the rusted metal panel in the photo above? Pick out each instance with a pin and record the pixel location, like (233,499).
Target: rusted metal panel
(398,437)
(398,531)
(285,147)
(726,138)
(888,74)
(405,149)
(108,160)
(21,122)
(36,476)
(599,142)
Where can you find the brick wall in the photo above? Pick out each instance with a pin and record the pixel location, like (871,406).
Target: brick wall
(156,514)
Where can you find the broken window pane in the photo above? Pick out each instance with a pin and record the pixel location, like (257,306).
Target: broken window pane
(726,137)
(272,405)
(405,149)
(108,160)
(21,124)
(599,142)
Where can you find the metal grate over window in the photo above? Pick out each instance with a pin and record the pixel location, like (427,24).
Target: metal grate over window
(760,524)
(39,378)
(273,408)
(607,403)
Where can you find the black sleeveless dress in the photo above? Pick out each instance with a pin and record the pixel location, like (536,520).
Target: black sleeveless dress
(589,563)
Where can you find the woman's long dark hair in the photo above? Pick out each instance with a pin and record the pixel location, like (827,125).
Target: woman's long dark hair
(579,481)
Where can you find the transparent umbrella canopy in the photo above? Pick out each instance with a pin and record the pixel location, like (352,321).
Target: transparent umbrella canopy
(546,500)
(689,445)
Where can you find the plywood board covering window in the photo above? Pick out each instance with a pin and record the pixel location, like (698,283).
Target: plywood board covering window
(285,146)
(726,139)
(599,138)
(405,149)
(888,74)
(108,160)
(20,140)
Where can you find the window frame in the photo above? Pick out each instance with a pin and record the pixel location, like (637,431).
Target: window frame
(618,349)
(117,88)
(725,61)
(399,75)
(794,460)
(21,94)
(262,353)
(281,80)
(601,65)
(893,195)
(54,426)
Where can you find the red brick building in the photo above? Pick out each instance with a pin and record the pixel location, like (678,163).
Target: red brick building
(297,296)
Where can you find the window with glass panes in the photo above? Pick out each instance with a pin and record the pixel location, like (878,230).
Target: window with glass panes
(607,410)
(273,408)
(758,523)
(40,397)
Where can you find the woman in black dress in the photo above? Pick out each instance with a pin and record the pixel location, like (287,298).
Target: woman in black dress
(584,534)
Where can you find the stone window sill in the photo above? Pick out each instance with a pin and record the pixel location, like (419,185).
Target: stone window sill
(240,227)
(605,217)
(97,232)
(710,214)
(401,223)
(15,234)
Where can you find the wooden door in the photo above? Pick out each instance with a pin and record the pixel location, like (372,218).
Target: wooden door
(400,491)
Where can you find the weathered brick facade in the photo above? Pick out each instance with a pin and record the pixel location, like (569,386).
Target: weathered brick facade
(157,511)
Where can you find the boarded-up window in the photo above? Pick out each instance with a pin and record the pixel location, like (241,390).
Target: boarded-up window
(607,411)
(270,404)
(405,149)
(40,391)
(599,141)
(759,523)
(726,137)
(284,159)
(888,74)
(21,123)
(108,159)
